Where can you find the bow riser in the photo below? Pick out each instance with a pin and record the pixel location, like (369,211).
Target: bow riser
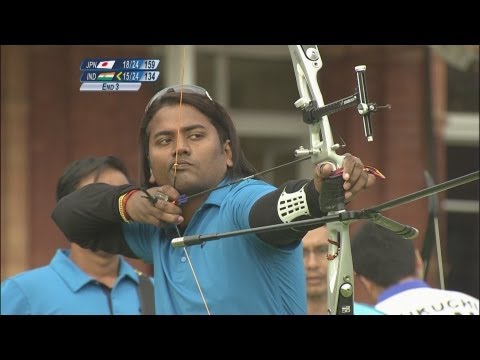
(340,270)
(306,63)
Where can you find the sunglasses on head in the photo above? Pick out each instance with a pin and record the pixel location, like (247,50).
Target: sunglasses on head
(188,89)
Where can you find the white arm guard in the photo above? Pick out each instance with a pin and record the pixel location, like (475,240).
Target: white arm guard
(292,206)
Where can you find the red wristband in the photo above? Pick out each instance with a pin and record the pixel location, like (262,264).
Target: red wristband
(124,202)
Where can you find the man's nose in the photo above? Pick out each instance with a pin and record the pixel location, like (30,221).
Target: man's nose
(181,146)
(312,260)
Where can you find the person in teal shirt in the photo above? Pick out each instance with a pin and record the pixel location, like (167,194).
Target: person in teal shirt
(80,281)
(190,155)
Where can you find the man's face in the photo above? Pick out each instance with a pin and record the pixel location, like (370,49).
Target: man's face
(202,160)
(315,247)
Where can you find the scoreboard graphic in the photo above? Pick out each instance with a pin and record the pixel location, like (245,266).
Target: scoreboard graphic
(117,74)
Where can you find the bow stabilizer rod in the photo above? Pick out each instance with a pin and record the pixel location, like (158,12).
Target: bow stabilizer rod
(371,214)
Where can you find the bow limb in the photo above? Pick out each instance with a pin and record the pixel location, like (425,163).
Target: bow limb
(306,63)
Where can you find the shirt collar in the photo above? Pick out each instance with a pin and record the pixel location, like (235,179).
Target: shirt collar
(126,270)
(76,278)
(216,197)
(401,287)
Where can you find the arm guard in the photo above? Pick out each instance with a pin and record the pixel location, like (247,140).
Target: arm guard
(295,200)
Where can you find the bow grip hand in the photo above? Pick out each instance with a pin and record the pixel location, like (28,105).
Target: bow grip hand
(355,177)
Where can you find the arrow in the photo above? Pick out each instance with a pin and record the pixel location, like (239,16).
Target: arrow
(365,214)
(118,75)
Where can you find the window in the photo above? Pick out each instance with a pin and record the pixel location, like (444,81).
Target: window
(263,84)
(257,85)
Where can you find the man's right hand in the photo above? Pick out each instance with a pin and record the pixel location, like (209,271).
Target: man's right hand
(162,213)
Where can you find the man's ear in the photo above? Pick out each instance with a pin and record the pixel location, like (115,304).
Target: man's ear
(369,286)
(418,264)
(227,148)
(151,179)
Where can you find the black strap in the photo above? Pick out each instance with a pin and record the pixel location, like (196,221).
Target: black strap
(145,294)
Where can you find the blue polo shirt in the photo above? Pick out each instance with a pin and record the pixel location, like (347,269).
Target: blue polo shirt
(365,309)
(62,288)
(238,275)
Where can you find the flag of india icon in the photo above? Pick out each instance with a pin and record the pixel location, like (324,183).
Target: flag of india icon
(106,76)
